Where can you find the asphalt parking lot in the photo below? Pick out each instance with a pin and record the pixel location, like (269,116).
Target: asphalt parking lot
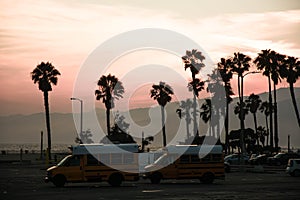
(26,182)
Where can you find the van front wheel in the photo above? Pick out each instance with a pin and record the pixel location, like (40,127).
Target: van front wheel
(59,180)
(207,178)
(155,178)
(115,180)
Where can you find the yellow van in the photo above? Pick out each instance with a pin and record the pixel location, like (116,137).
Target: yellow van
(203,162)
(96,163)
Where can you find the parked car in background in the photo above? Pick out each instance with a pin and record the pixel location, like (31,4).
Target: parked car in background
(235,159)
(227,167)
(259,160)
(282,158)
(293,167)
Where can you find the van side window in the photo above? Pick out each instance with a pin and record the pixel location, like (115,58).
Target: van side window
(195,159)
(206,158)
(216,157)
(128,158)
(91,160)
(74,161)
(116,158)
(184,159)
(105,159)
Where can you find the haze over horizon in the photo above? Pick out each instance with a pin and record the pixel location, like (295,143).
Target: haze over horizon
(65,33)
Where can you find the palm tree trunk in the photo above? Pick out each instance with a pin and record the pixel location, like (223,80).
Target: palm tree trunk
(276,139)
(242,117)
(187,119)
(46,103)
(227,118)
(267,126)
(226,128)
(255,126)
(195,116)
(163,125)
(271,112)
(294,102)
(108,121)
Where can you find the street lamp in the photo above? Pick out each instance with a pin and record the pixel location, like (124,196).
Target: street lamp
(81,109)
(241,92)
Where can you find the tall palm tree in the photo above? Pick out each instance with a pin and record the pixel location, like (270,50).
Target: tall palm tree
(266,109)
(292,72)
(277,65)
(241,64)
(162,94)
(215,86)
(224,68)
(45,75)
(110,88)
(193,60)
(253,102)
(184,111)
(263,62)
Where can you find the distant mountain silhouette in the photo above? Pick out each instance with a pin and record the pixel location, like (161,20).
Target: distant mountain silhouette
(26,128)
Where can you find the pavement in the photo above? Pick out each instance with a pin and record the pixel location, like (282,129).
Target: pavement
(25,181)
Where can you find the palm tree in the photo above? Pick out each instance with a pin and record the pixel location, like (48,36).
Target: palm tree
(224,68)
(184,111)
(193,60)
(237,110)
(215,85)
(162,94)
(261,134)
(266,109)
(253,102)
(110,88)
(263,62)
(277,65)
(206,114)
(45,75)
(241,64)
(292,72)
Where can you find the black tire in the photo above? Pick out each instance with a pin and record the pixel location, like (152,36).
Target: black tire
(59,180)
(207,178)
(155,178)
(115,180)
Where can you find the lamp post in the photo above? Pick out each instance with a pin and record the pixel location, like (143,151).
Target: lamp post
(242,116)
(81,109)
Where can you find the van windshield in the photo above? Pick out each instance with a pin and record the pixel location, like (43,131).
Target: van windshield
(165,159)
(63,161)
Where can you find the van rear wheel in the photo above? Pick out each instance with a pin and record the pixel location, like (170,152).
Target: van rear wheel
(115,180)
(207,178)
(59,180)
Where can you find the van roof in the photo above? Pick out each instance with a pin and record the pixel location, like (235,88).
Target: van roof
(194,149)
(104,148)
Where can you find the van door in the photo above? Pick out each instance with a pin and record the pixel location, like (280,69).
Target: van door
(73,169)
(170,171)
(183,164)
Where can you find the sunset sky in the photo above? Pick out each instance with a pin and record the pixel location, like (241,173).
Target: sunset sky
(65,33)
